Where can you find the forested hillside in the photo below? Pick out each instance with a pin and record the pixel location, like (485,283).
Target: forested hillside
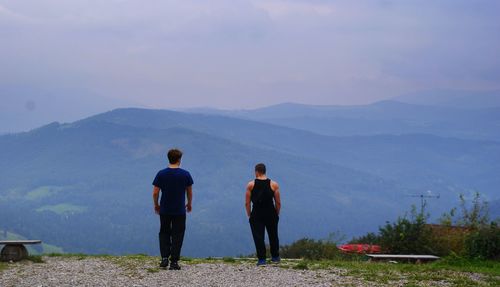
(86,186)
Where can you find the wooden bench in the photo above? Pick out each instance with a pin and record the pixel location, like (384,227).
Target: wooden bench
(402,257)
(14,250)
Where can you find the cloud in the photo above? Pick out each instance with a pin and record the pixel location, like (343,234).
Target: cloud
(247,53)
(9,16)
(278,9)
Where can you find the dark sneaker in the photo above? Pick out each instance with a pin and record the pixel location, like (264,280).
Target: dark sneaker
(276,260)
(174,266)
(164,263)
(261,262)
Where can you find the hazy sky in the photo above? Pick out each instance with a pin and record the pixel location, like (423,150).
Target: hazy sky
(241,54)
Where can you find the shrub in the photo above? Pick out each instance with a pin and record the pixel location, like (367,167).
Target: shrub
(310,249)
(407,236)
(472,215)
(484,243)
(464,231)
(448,239)
(369,238)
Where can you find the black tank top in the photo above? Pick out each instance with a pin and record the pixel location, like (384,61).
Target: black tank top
(262,198)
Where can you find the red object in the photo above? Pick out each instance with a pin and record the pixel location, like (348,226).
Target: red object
(360,248)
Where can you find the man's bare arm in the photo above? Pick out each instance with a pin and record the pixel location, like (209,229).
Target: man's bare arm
(247,198)
(277,197)
(189,195)
(156,194)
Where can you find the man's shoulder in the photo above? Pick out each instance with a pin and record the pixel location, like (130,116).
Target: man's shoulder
(274,185)
(162,171)
(183,171)
(173,170)
(251,183)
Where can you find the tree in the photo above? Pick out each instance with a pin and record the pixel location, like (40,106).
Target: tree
(369,238)
(482,239)
(474,215)
(407,235)
(484,243)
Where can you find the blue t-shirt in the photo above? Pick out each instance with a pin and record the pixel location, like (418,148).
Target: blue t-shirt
(173,183)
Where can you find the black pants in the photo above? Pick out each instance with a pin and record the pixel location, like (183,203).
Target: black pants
(172,235)
(259,224)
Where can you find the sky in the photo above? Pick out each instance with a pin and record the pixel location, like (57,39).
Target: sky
(66,59)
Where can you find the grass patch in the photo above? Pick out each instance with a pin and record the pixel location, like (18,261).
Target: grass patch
(489,267)
(2,266)
(493,280)
(303,265)
(448,271)
(36,259)
(228,260)
(43,192)
(135,262)
(459,272)
(78,256)
(63,209)
(446,264)
(153,270)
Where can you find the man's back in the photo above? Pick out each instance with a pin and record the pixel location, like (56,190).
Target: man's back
(173,183)
(262,197)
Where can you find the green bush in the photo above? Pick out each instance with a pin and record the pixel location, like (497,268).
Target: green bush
(369,238)
(310,249)
(473,214)
(407,236)
(484,243)
(464,231)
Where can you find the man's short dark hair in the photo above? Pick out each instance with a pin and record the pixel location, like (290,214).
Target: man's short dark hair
(260,168)
(174,156)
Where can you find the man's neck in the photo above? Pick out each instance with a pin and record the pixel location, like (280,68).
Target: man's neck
(175,165)
(261,177)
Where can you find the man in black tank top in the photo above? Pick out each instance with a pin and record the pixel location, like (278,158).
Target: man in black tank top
(263,204)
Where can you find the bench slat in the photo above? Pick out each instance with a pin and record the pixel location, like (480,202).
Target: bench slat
(402,256)
(7,242)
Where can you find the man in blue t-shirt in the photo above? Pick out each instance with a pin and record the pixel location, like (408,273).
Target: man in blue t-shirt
(175,185)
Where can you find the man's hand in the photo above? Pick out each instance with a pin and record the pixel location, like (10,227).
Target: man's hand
(277,196)
(156,194)
(248,195)
(189,195)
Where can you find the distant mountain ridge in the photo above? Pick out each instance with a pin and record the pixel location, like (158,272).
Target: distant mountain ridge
(107,168)
(385,117)
(454,98)
(86,186)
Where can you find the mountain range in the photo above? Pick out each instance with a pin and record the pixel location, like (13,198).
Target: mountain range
(86,187)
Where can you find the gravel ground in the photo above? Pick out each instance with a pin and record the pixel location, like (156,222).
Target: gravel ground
(57,271)
(144,271)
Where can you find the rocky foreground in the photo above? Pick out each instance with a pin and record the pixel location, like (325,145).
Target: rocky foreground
(143,271)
